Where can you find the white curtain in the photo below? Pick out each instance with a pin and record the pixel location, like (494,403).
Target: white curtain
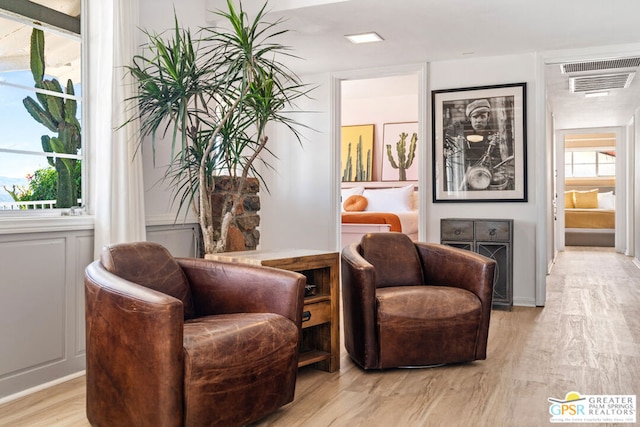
(115,172)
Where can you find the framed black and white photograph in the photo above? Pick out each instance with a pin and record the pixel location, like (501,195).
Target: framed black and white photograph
(479,144)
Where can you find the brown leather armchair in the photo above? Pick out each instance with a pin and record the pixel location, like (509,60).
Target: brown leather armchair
(193,342)
(414,304)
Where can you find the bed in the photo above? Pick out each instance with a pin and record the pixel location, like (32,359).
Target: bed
(590,217)
(385,209)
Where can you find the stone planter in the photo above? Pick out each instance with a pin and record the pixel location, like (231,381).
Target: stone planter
(243,232)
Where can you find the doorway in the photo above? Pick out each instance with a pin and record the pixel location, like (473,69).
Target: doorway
(587,187)
(382,99)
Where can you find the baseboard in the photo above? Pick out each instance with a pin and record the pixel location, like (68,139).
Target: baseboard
(170,219)
(41,387)
(524,302)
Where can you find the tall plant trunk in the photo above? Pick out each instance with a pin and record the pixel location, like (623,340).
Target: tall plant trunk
(228,215)
(206,224)
(205,213)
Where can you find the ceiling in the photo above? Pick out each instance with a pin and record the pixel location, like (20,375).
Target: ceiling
(62,50)
(418,31)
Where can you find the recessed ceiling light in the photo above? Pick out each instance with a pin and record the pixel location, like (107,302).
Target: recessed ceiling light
(595,94)
(364,38)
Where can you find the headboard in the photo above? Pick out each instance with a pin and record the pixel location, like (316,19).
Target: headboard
(589,187)
(603,185)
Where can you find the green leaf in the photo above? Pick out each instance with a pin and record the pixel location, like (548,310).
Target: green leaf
(45,140)
(55,104)
(37,55)
(70,105)
(211,96)
(41,116)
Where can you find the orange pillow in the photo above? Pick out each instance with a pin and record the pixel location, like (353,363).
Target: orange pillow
(355,203)
(587,199)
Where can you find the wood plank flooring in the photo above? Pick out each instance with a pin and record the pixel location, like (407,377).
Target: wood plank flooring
(586,339)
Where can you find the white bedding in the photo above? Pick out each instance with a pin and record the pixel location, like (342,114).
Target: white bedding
(408,221)
(401,201)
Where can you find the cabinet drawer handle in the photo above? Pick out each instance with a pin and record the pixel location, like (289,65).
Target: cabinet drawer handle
(492,232)
(306,316)
(457,232)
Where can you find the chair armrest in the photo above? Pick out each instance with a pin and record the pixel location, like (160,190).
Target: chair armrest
(224,287)
(359,306)
(134,346)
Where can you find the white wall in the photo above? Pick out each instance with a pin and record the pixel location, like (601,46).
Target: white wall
(294,214)
(42,306)
(298,212)
(157,16)
(636,188)
(493,71)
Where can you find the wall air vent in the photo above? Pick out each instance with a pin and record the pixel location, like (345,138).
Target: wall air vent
(581,84)
(599,65)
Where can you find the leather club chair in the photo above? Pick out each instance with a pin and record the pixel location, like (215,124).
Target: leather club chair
(407,303)
(188,342)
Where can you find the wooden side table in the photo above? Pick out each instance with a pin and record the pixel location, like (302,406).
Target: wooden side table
(321,317)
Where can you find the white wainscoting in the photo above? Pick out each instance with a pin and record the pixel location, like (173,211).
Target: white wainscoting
(42,329)
(42,307)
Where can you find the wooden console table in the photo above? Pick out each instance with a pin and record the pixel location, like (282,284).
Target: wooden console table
(321,317)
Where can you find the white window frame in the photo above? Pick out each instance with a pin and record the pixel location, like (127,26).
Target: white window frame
(597,163)
(30,221)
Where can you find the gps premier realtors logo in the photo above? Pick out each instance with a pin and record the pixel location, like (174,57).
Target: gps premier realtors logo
(576,408)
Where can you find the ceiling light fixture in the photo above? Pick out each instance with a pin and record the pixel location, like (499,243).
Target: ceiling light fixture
(364,38)
(595,94)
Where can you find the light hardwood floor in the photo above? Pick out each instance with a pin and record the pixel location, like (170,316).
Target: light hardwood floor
(586,339)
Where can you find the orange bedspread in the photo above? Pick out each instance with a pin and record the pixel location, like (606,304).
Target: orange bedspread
(373,218)
(589,218)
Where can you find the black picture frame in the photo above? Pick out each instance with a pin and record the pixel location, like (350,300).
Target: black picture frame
(480,144)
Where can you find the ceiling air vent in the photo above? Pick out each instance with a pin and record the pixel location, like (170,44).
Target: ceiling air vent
(599,65)
(580,84)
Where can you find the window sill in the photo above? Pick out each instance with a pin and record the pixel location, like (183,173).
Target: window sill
(45,223)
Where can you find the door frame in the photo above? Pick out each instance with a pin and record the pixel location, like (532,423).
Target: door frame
(620,187)
(420,70)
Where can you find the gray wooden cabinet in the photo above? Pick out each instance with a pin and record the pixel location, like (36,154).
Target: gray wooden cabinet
(492,238)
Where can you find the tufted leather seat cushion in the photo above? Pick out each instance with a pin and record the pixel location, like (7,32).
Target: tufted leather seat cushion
(249,352)
(420,325)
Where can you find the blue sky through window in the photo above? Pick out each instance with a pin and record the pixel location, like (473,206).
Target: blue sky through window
(20,131)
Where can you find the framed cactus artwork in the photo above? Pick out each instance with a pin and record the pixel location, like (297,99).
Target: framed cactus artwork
(357,153)
(399,162)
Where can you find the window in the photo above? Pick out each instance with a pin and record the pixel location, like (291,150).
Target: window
(40,148)
(582,164)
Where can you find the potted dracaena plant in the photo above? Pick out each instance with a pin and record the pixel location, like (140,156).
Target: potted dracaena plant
(214,95)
